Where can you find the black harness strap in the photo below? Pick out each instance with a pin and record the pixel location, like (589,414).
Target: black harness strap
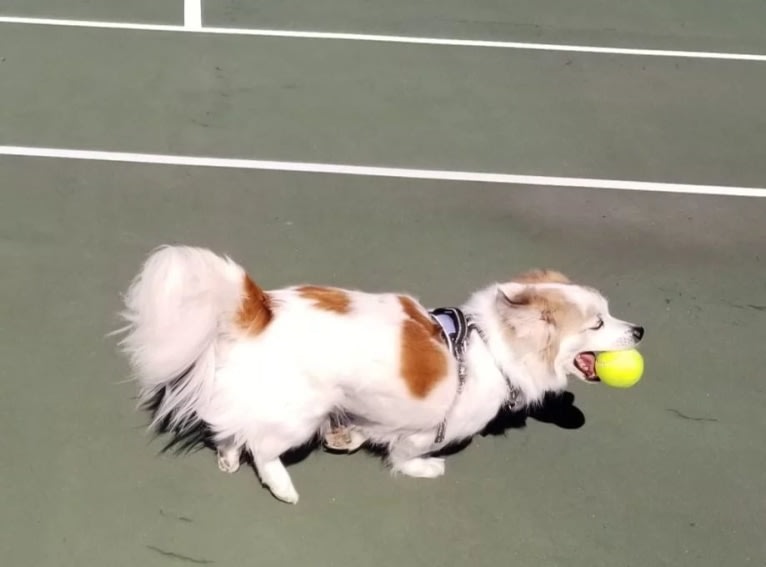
(454,326)
(456,329)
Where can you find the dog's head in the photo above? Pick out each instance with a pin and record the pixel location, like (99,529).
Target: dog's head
(562,324)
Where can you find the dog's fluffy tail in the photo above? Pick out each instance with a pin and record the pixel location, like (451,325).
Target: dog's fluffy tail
(177,309)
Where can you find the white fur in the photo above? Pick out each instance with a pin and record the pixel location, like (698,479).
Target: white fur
(174,310)
(274,391)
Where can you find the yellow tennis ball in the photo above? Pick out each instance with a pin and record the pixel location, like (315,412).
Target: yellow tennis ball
(620,368)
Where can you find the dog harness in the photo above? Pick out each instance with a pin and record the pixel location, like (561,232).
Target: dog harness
(456,329)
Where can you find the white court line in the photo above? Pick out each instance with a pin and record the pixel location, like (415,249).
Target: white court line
(193,14)
(373,171)
(386,39)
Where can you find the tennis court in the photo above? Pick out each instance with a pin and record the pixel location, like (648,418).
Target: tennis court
(430,147)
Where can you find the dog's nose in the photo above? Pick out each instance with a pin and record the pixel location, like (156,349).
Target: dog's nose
(638,333)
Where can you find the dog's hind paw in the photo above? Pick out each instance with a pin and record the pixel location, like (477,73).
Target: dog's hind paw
(228,460)
(286,494)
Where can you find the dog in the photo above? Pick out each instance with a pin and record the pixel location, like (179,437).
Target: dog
(268,371)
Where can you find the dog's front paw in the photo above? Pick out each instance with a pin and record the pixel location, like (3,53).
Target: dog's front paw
(432,467)
(343,440)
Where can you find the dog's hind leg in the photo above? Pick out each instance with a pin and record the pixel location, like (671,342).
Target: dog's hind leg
(274,475)
(268,446)
(228,456)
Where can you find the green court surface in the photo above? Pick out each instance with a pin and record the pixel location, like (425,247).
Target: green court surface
(670,473)
(677,24)
(150,11)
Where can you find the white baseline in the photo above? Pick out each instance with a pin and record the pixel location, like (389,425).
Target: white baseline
(374,171)
(400,39)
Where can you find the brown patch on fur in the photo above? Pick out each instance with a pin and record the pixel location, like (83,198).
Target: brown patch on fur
(423,360)
(255,310)
(542,276)
(552,307)
(327,298)
(416,313)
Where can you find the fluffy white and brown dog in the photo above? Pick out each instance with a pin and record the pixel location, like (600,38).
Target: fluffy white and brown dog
(267,371)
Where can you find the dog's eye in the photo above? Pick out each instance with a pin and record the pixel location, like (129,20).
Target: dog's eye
(598,325)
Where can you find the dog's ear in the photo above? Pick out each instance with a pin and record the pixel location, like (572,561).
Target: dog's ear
(530,314)
(521,305)
(520,297)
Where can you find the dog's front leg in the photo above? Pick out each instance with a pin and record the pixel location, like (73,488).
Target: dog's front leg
(343,439)
(408,457)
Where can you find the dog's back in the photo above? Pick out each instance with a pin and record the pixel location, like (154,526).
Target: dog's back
(265,369)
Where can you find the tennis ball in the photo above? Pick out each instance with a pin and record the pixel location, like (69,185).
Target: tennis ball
(620,368)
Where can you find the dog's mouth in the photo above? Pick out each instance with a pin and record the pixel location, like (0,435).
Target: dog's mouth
(585,362)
